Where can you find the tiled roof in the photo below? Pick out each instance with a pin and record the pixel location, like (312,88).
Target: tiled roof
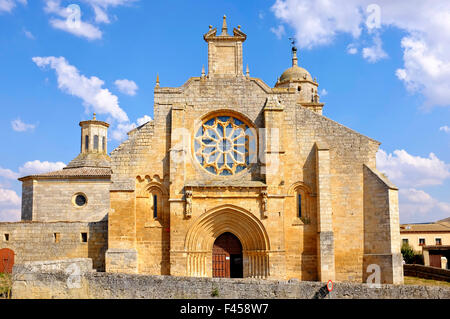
(430,227)
(73,173)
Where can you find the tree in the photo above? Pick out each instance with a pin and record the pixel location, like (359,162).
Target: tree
(408,254)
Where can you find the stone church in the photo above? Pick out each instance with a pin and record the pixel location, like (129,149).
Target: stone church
(232,178)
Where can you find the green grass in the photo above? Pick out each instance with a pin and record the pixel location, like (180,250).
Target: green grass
(5,285)
(425,282)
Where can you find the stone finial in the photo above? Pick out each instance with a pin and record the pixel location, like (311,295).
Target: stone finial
(239,27)
(224,26)
(157,80)
(294,57)
(210,27)
(203,72)
(95,117)
(247,72)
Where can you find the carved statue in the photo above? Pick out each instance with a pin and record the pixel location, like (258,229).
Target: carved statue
(188,195)
(264,199)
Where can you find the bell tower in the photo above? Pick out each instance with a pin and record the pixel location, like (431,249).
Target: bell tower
(225,51)
(94,145)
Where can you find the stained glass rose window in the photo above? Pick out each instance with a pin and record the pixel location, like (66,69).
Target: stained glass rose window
(225,145)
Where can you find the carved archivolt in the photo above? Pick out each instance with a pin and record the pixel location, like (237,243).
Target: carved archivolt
(238,221)
(227,218)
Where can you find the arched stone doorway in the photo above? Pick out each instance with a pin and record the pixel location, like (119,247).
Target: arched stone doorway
(227,259)
(245,226)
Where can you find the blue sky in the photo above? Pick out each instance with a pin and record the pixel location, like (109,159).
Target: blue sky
(383,71)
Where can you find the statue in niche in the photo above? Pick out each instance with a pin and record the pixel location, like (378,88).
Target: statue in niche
(188,195)
(264,199)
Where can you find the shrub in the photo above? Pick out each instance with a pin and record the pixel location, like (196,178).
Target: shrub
(408,254)
(215,292)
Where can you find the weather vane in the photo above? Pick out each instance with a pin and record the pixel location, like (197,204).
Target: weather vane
(292,42)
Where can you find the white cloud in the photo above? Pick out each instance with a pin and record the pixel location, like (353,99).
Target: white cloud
(82,28)
(323,92)
(426,45)
(101,7)
(278,31)
(121,131)
(375,53)
(418,206)
(410,171)
(8,174)
(126,87)
(10,215)
(9,5)
(90,90)
(10,204)
(445,129)
(38,167)
(351,49)
(28,34)
(19,126)
(145,119)
(318,22)
(9,198)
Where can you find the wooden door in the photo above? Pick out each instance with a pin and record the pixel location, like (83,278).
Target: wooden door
(227,248)
(435,261)
(6,260)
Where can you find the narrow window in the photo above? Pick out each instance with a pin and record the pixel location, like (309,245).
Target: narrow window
(84,237)
(421,241)
(96,142)
(86,144)
(155,206)
(56,237)
(405,241)
(299,206)
(438,241)
(6,237)
(104,143)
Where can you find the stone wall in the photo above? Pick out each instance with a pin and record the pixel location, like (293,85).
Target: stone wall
(35,241)
(43,283)
(381,227)
(427,272)
(53,200)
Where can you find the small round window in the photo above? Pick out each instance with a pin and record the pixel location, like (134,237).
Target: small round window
(80,200)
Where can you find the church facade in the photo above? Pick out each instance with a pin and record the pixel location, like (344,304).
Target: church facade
(232,178)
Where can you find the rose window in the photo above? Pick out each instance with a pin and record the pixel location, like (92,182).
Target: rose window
(225,145)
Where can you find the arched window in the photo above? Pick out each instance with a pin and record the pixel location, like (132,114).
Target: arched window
(86,143)
(299,205)
(96,142)
(104,143)
(155,204)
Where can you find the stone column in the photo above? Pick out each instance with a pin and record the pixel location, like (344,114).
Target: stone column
(325,236)
(271,144)
(121,256)
(179,148)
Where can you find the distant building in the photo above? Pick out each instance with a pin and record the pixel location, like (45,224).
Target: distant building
(431,239)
